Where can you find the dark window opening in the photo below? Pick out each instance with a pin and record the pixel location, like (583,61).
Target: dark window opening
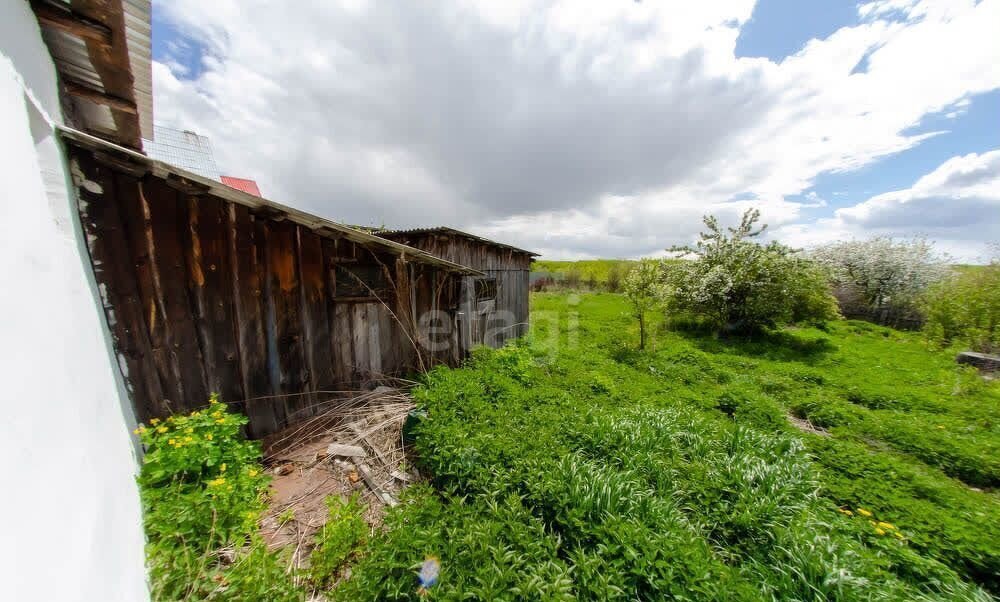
(361,282)
(486,288)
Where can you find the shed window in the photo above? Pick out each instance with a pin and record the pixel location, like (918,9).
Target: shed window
(486,288)
(361,282)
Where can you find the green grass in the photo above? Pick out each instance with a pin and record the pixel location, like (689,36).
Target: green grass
(587,270)
(572,466)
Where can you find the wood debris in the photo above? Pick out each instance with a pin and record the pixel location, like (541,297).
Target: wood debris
(355,445)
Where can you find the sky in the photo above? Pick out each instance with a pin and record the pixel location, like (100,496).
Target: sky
(603,128)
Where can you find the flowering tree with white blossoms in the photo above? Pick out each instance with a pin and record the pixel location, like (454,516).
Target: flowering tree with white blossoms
(738,285)
(881,276)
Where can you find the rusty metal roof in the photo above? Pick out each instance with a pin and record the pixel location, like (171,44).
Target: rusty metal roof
(321,226)
(392,234)
(122,70)
(247,186)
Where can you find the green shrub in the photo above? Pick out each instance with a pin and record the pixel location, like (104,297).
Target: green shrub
(201,481)
(202,490)
(343,534)
(738,285)
(965,309)
(643,288)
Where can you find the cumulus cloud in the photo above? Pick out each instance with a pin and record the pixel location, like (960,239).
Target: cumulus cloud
(957,205)
(575,128)
(959,199)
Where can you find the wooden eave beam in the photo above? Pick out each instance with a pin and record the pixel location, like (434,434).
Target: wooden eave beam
(64,19)
(81,90)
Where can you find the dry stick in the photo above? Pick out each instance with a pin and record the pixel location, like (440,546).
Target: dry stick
(311,427)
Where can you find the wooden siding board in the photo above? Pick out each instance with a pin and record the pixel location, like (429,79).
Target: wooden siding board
(343,343)
(111,257)
(219,298)
(248,272)
(210,281)
(285,316)
(360,338)
(315,316)
(165,220)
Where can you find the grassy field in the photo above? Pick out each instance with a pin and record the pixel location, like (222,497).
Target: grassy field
(587,271)
(574,467)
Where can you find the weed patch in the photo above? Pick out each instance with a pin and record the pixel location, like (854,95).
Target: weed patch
(600,472)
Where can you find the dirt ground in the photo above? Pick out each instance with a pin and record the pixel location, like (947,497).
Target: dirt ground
(304,475)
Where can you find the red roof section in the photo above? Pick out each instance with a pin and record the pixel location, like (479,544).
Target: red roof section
(248,186)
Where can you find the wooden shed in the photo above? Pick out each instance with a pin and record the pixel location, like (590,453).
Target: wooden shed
(209,289)
(494,305)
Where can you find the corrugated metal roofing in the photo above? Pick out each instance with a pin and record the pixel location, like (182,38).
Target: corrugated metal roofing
(247,186)
(182,148)
(73,59)
(391,234)
(138,33)
(317,224)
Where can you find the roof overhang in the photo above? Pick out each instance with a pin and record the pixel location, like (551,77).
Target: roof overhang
(446,230)
(139,164)
(101,50)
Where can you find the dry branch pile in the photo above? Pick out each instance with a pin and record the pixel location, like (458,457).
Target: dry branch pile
(366,428)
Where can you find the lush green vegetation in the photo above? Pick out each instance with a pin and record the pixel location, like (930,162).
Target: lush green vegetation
(596,471)
(965,309)
(202,491)
(604,274)
(574,466)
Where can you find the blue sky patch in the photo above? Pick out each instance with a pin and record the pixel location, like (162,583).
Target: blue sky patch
(182,53)
(972,129)
(780,28)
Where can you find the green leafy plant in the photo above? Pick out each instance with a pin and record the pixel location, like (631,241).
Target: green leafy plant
(343,534)
(643,287)
(965,309)
(202,490)
(596,474)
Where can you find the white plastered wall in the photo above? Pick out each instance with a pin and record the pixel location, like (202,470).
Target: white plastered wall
(70,506)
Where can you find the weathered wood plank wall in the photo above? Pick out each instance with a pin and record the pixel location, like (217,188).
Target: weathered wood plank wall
(508,266)
(203,295)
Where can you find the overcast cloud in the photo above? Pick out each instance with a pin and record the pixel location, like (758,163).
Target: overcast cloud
(585,129)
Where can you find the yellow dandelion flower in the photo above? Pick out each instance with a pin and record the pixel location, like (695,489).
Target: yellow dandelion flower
(864,512)
(886,526)
(217,482)
(189,430)
(154,421)
(220,421)
(879,531)
(188,439)
(222,467)
(845,511)
(172,441)
(251,515)
(161,429)
(209,436)
(252,472)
